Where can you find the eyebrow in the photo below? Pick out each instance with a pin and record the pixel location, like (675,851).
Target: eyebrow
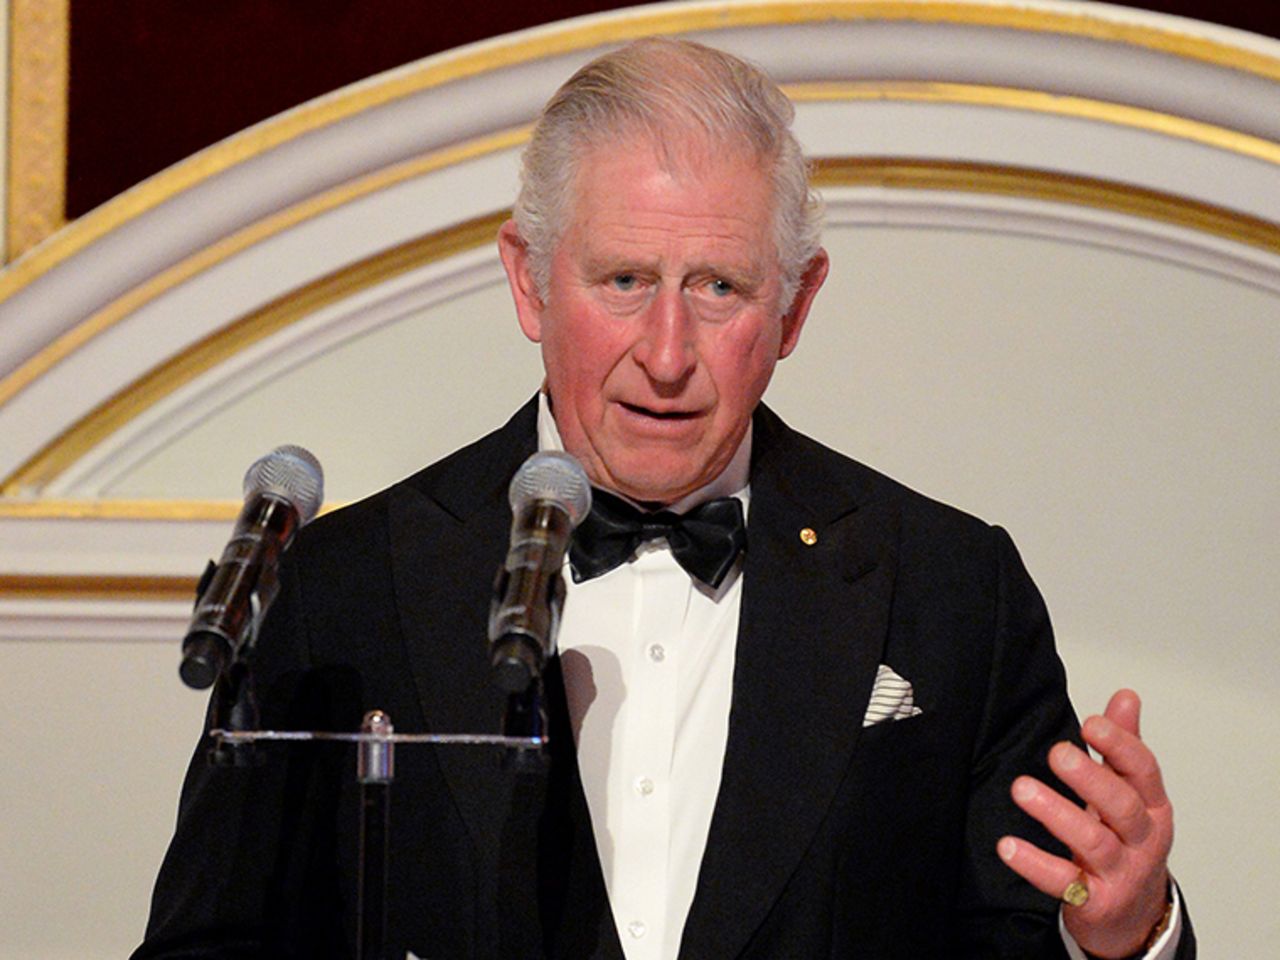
(598,265)
(748,277)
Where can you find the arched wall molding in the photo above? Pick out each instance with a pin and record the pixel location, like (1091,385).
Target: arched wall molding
(1165,64)
(221,291)
(234,360)
(1084,121)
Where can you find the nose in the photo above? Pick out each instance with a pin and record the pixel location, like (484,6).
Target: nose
(665,348)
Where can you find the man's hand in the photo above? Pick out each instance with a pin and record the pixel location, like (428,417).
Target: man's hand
(1120,842)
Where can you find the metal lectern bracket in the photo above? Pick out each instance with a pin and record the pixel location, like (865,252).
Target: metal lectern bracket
(375,771)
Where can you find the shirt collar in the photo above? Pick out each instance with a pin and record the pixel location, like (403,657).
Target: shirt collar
(733,480)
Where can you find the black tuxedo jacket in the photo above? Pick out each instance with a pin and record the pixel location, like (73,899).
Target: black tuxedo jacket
(828,839)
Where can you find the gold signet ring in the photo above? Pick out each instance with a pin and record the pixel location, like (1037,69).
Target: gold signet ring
(1077,893)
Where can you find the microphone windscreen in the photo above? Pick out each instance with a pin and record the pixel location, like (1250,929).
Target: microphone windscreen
(555,476)
(289,472)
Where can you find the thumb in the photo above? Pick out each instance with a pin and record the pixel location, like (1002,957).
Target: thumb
(1124,709)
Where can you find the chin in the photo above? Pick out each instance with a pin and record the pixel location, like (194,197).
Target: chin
(657,486)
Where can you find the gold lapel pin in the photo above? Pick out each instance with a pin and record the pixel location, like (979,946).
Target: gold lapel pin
(808,537)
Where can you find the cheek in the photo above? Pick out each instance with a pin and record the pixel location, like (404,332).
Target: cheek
(579,358)
(748,366)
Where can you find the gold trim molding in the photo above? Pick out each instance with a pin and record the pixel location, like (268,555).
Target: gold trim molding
(572,36)
(23,586)
(913,174)
(169,278)
(151,511)
(902,173)
(1036,101)
(35,188)
(166,510)
(224,343)
(997,97)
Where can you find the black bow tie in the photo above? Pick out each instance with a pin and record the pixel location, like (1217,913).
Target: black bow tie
(705,541)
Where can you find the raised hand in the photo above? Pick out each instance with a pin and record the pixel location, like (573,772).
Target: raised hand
(1119,842)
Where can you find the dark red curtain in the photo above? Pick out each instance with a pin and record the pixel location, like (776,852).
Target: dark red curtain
(153,81)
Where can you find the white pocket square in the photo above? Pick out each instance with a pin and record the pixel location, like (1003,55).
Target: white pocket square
(891,699)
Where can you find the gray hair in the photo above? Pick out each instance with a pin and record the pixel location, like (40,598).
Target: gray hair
(655,88)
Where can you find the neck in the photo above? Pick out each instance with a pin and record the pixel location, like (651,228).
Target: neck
(731,481)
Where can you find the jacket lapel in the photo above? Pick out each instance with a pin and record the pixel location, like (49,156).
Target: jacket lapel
(812,629)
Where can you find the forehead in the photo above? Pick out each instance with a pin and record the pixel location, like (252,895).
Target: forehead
(633,196)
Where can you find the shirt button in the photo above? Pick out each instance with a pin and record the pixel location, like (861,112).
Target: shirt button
(637,929)
(644,786)
(656,653)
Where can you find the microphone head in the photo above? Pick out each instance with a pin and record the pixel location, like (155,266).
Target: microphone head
(291,473)
(555,476)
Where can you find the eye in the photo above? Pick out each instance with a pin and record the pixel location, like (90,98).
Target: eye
(721,288)
(624,282)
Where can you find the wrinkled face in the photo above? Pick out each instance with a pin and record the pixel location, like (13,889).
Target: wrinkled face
(662,322)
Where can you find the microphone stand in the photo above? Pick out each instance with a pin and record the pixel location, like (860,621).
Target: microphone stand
(375,769)
(235,706)
(524,722)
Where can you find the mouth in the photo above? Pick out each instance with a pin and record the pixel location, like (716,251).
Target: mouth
(668,415)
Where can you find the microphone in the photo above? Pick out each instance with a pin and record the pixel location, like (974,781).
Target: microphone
(549,496)
(282,492)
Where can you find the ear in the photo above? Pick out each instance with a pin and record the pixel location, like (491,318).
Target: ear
(815,274)
(515,260)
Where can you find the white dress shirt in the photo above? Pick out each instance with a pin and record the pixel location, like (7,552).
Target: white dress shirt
(647,654)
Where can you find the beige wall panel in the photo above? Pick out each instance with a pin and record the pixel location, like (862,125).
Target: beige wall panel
(96,740)
(373,409)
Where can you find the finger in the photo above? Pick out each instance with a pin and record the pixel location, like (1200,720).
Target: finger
(1044,871)
(1112,798)
(1128,756)
(1125,708)
(1092,841)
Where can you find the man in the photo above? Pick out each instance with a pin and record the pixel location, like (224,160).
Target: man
(816,746)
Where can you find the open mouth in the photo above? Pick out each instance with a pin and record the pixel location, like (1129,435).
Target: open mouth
(659,414)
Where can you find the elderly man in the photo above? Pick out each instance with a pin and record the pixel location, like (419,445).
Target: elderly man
(813,744)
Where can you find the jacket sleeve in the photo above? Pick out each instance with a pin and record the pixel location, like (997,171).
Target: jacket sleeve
(1026,711)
